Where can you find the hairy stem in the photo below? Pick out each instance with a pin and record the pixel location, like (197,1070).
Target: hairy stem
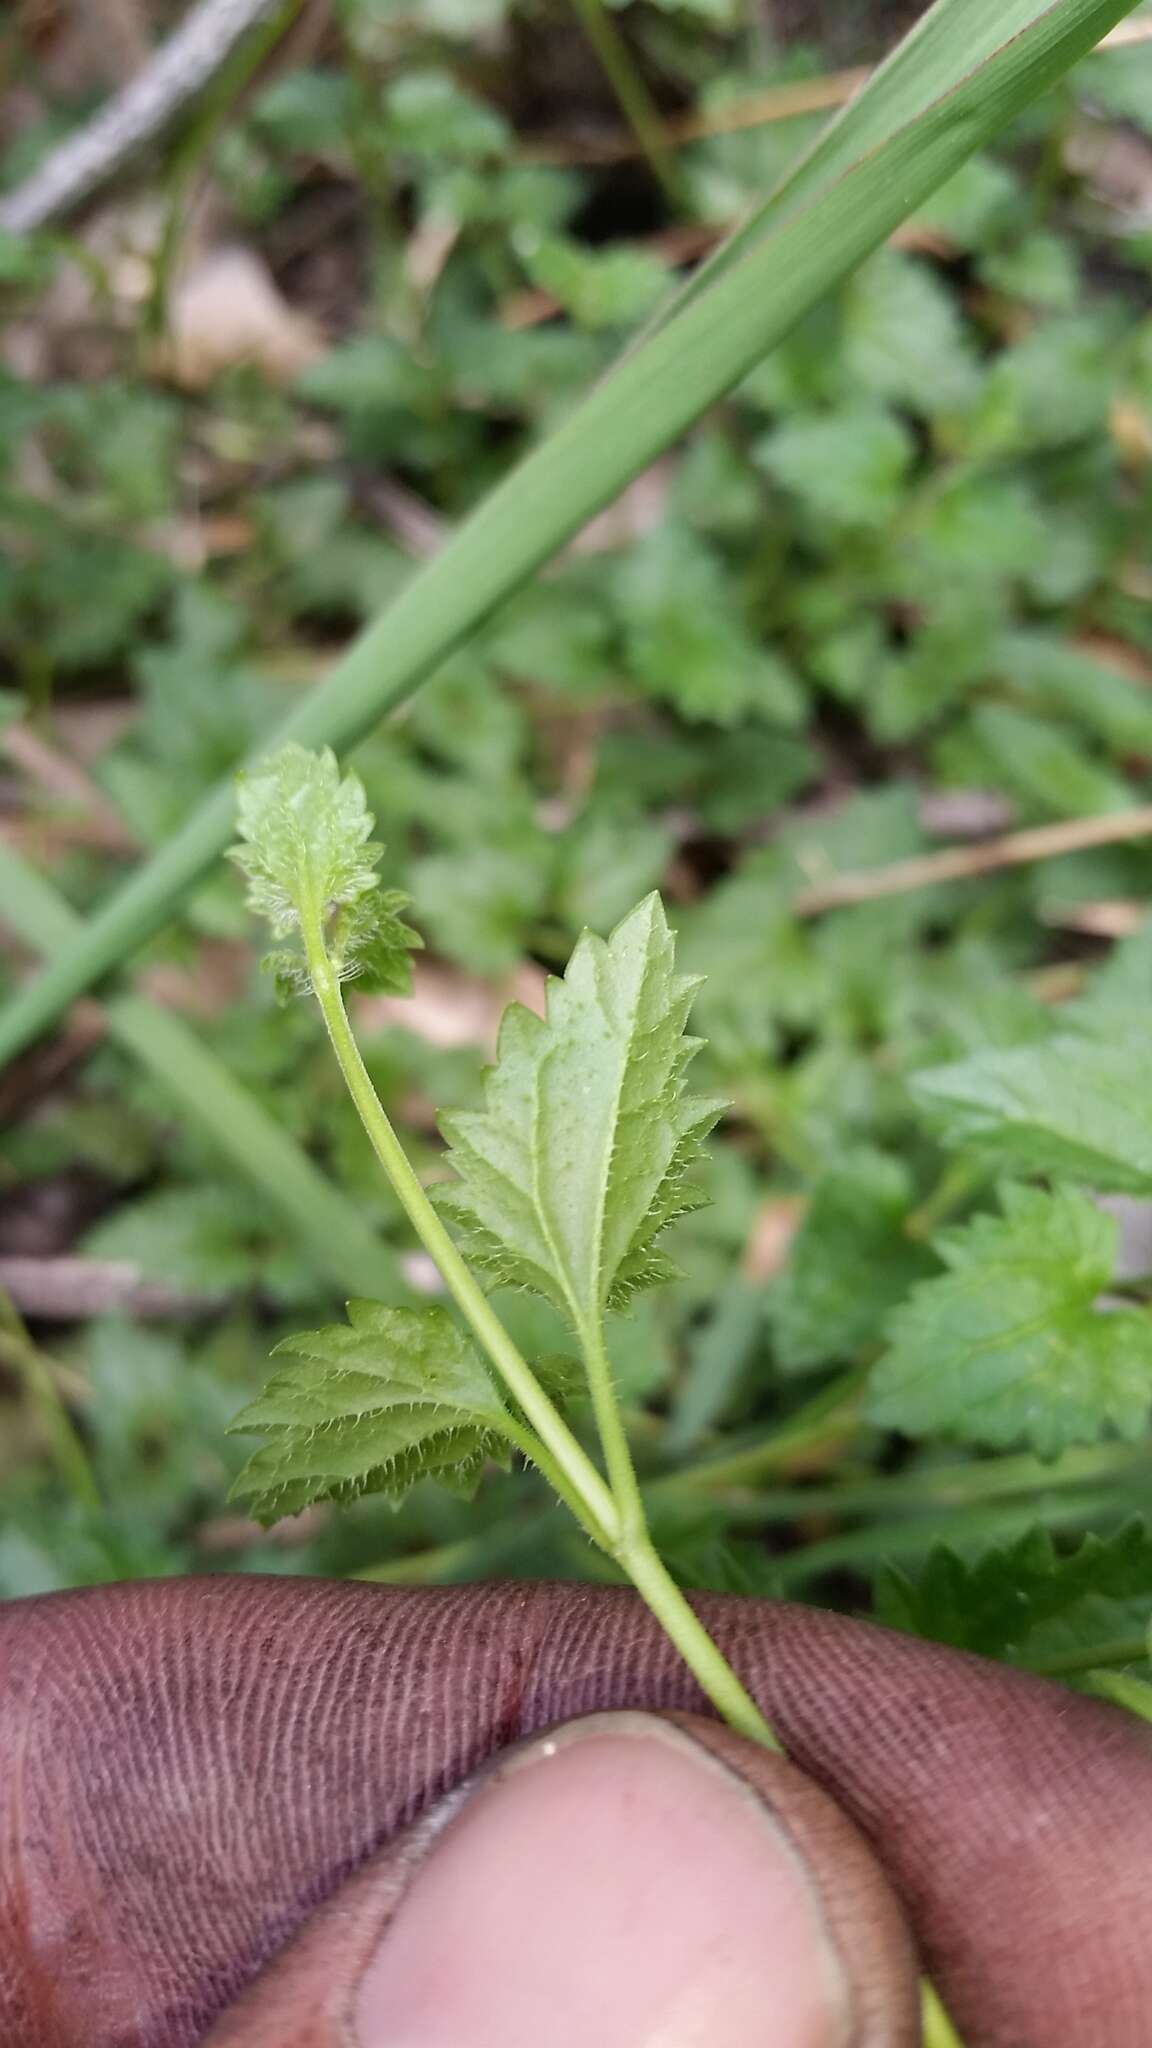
(615,1519)
(713,1673)
(613,1435)
(565,1464)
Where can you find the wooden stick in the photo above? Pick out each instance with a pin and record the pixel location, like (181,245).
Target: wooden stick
(67,1290)
(958,863)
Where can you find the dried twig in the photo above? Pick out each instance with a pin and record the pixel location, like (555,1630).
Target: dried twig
(67,1290)
(957,863)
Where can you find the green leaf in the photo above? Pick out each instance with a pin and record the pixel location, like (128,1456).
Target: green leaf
(305,835)
(1046,765)
(372,1405)
(1078,1107)
(1105,700)
(904,338)
(1027,1599)
(1051,388)
(850,1263)
(686,642)
(847,467)
(1042,270)
(578,1160)
(958,80)
(1007,1347)
(479,904)
(598,287)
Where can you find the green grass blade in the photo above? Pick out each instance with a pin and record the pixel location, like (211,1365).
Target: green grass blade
(652,396)
(337,1242)
(944,47)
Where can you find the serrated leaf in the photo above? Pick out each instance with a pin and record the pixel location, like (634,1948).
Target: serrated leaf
(1080,1107)
(578,1160)
(371,1405)
(846,467)
(904,337)
(850,1263)
(306,835)
(302,825)
(1007,1347)
(1027,1599)
(685,641)
(1045,765)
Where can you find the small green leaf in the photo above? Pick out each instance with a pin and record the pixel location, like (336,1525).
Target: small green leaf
(578,1160)
(1007,1347)
(1026,1600)
(370,1406)
(904,338)
(850,1264)
(1080,1107)
(1046,765)
(306,836)
(847,467)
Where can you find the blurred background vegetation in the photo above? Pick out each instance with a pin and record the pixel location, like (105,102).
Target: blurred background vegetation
(892,596)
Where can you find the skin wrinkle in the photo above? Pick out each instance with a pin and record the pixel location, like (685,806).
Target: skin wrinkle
(256,1741)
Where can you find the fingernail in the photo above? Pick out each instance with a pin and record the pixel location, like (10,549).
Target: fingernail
(613,1886)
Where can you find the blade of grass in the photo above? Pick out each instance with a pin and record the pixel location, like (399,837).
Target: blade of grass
(949,43)
(651,397)
(327,1226)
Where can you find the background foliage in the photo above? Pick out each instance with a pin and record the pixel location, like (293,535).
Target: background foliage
(893,593)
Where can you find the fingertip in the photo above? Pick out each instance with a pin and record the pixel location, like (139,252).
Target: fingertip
(625,1879)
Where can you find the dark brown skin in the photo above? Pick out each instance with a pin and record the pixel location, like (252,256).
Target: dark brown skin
(189,1769)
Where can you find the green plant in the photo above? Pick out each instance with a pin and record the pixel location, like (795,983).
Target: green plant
(955,82)
(892,592)
(565,1182)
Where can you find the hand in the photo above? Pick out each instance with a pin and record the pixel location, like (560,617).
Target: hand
(207,1791)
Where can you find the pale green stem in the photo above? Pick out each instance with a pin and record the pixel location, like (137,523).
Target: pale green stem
(1090,1657)
(713,1673)
(635,102)
(613,1435)
(564,1463)
(637,1555)
(937,2028)
(616,1521)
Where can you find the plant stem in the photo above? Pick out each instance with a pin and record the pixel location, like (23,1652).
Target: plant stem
(615,1519)
(941,1487)
(632,95)
(566,1465)
(18,1351)
(613,1435)
(937,2028)
(713,1673)
(1090,1657)
(191,152)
